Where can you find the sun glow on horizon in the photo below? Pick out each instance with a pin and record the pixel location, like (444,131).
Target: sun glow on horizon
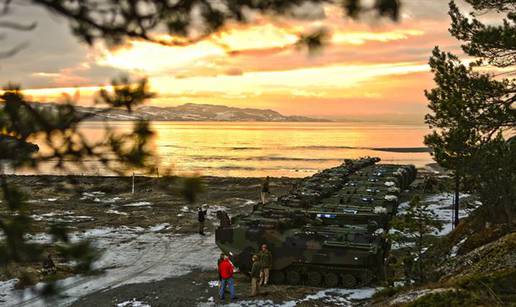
(365,67)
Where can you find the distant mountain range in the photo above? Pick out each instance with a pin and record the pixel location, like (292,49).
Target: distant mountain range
(194,112)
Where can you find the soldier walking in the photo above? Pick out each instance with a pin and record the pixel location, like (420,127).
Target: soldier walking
(265,258)
(265,192)
(255,276)
(201,217)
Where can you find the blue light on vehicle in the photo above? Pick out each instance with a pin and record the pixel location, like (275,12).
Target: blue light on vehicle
(326,215)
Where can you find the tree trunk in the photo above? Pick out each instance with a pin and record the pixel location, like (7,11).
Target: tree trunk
(456,201)
(508,213)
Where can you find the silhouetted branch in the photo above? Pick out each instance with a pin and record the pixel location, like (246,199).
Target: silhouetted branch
(17,26)
(13,51)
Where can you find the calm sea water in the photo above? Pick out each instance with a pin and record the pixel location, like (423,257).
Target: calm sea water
(275,149)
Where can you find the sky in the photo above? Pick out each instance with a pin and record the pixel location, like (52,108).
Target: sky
(370,69)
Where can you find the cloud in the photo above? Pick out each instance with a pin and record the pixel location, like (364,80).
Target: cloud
(234,71)
(53,57)
(371,66)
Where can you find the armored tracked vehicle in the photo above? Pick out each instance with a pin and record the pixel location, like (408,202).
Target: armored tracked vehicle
(318,238)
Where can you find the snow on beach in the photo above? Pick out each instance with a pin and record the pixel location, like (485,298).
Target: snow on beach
(139,204)
(333,297)
(132,303)
(62,217)
(130,255)
(99,197)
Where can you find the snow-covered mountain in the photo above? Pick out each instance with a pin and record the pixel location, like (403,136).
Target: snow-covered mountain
(196,112)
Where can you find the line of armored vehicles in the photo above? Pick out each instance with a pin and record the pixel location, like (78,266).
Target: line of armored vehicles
(329,231)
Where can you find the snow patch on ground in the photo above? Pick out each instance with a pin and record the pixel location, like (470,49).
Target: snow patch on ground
(340,297)
(132,303)
(107,200)
(139,204)
(112,211)
(159,227)
(99,197)
(403,207)
(62,217)
(333,297)
(250,202)
(442,205)
(455,248)
(6,287)
(40,238)
(414,295)
(130,255)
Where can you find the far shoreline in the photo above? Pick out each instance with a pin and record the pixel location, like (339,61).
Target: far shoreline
(434,167)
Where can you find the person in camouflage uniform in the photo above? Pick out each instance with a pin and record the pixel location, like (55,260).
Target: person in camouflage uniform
(201,218)
(265,258)
(255,276)
(265,191)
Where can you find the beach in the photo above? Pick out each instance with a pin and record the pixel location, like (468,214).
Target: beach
(151,251)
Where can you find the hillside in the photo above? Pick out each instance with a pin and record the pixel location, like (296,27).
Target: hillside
(193,112)
(474,265)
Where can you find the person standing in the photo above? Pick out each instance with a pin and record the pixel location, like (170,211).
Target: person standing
(221,258)
(265,258)
(265,192)
(226,273)
(255,276)
(201,217)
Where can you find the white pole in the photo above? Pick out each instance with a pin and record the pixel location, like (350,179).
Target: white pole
(132,190)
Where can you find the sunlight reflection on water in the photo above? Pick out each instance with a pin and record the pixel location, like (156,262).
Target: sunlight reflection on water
(249,149)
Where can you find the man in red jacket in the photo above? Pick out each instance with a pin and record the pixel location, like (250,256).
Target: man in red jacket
(226,273)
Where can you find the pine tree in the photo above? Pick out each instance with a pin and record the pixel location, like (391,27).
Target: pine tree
(414,227)
(471,109)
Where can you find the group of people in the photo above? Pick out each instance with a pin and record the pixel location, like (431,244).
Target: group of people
(261,262)
(260,271)
(202,211)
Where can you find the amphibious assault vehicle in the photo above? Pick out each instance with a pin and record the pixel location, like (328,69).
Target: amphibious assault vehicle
(329,230)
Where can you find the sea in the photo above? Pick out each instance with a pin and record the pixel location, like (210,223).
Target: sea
(257,149)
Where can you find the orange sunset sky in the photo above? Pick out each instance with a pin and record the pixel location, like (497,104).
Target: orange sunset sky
(370,69)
